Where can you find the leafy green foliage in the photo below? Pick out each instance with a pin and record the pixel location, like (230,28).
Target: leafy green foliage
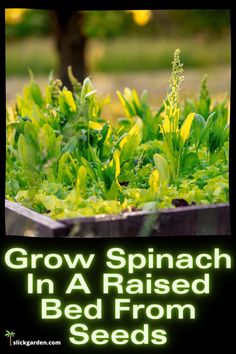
(65,160)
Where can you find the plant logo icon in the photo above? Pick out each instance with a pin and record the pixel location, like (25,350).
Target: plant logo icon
(10,335)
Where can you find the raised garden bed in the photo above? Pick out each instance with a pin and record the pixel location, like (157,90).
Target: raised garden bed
(155,171)
(182,221)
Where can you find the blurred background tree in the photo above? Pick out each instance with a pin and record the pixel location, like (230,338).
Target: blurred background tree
(22,23)
(73,29)
(123,48)
(70,41)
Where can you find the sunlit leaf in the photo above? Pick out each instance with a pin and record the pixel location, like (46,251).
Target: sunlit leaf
(95,125)
(186,127)
(69,99)
(154,181)
(81,181)
(162,167)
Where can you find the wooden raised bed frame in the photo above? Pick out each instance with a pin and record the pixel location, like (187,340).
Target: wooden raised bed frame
(183,221)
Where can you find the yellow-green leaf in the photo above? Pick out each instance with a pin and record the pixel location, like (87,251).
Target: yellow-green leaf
(69,100)
(81,181)
(136,99)
(116,159)
(165,124)
(153,181)
(131,141)
(22,149)
(95,125)
(126,101)
(186,127)
(163,168)
(113,191)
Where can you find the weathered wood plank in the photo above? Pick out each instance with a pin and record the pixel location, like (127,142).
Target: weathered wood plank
(21,221)
(182,221)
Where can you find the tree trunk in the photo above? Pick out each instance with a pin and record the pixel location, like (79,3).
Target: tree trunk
(70,42)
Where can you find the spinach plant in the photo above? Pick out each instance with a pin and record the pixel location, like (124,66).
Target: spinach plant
(65,160)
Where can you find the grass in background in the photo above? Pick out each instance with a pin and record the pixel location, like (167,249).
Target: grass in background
(149,54)
(38,54)
(117,55)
